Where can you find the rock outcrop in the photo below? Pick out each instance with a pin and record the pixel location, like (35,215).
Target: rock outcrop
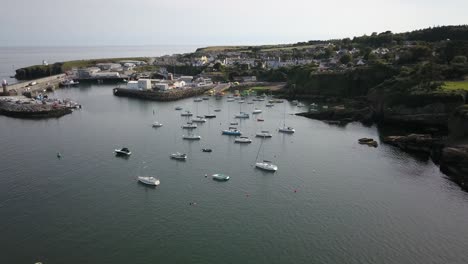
(454,162)
(413,142)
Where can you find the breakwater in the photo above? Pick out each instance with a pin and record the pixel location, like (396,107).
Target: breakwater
(172,95)
(36,86)
(30,108)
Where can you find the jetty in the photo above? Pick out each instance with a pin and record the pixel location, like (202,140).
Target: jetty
(32,88)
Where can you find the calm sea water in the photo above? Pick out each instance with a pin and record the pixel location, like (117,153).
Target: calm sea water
(331,201)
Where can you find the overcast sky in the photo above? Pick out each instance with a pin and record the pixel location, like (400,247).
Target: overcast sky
(213,22)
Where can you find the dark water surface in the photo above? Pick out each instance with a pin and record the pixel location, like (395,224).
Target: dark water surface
(331,201)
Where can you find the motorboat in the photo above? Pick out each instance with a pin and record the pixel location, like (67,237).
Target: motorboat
(232,131)
(264,134)
(157,124)
(199,120)
(256,111)
(178,156)
(123,152)
(187,113)
(266,165)
(242,115)
(210,116)
(191,137)
(243,140)
(285,129)
(178,108)
(149,180)
(189,126)
(207,150)
(220,177)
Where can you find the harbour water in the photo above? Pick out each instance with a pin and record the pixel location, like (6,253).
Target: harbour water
(331,200)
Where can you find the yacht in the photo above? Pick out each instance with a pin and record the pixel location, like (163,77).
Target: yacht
(189,126)
(191,137)
(230,100)
(149,180)
(178,108)
(220,177)
(123,152)
(217,110)
(157,124)
(187,113)
(232,131)
(210,116)
(243,140)
(242,115)
(256,111)
(178,156)
(199,120)
(266,165)
(285,129)
(269,105)
(264,134)
(207,150)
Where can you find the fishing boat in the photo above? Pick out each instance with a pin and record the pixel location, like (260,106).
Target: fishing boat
(189,126)
(191,137)
(256,111)
(149,180)
(157,124)
(232,131)
(220,177)
(264,134)
(178,156)
(178,108)
(123,152)
(242,115)
(207,150)
(266,165)
(187,113)
(242,140)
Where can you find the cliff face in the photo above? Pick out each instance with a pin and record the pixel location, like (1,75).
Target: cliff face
(430,109)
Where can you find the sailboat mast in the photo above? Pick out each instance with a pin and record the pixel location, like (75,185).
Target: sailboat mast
(261,143)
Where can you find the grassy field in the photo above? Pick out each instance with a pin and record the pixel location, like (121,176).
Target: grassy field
(453,86)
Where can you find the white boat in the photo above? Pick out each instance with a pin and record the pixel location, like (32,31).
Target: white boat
(242,115)
(256,111)
(187,113)
(220,177)
(197,100)
(199,120)
(285,129)
(178,108)
(123,151)
(241,101)
(157,124)
(230,100)
(264,134)
(242,140)
(178,156)
(191,137)
(149,180)
(189,126)
(266,165)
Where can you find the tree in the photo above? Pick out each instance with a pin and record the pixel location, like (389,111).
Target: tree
(458,60)
(345,59)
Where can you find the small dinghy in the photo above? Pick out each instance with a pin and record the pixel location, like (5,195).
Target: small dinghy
(189,126)
(220,177)
(199,120)
(260,119)
(217,110)
(187,113)
(207,150)
(234,123)
(151,181)
(123,152)
(178,156)
(269,105)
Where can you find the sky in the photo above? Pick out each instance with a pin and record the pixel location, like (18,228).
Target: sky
(213,22)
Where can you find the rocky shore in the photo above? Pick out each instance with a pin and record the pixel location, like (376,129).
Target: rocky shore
(30,108)
(172,95)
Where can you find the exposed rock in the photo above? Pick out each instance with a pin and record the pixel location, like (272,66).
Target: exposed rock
(368,141)
(454,162)
(458,123)
(32,109)
(161,96)
(413,142)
